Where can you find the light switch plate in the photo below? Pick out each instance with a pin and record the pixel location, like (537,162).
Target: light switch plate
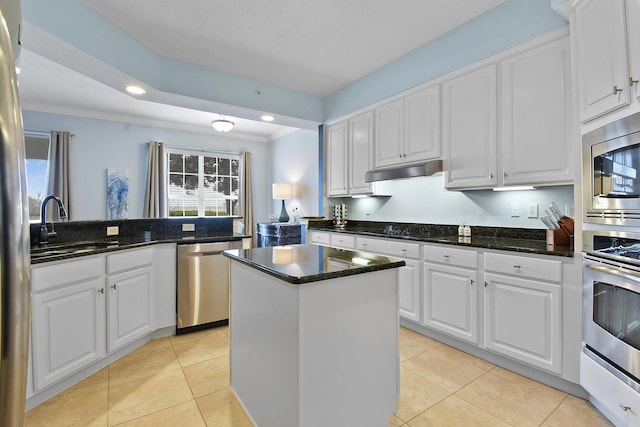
(188,227)
(515,210)
(532,210)
(113,230)
(570,210)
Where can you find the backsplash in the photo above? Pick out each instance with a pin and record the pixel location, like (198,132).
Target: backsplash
(145,229)
(425,200)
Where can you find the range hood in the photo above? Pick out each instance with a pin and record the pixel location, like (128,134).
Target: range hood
(424,169)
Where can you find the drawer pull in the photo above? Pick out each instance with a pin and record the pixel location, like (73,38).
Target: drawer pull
(517,267)
(446,257)
(624,408)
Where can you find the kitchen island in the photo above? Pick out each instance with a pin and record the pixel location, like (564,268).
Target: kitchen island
(314,333)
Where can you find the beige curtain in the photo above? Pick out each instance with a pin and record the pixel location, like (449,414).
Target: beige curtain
(155,198)
(58,175)
(246,195)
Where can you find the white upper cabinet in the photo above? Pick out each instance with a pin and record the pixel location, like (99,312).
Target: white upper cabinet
(469,133)
(605,79)
(389,140)
(349,146)
(408,129)
(337,160)
(536,116)
(522,137)
(360,152)
(422,125)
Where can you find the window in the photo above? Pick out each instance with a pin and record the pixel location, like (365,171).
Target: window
(36,146)
(203,184)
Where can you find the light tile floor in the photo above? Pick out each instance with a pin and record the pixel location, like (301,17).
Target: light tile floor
(184,381)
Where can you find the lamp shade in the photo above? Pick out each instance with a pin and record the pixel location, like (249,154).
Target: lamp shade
(282,190)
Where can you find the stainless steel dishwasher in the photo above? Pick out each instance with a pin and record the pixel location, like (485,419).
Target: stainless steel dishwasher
(203,285)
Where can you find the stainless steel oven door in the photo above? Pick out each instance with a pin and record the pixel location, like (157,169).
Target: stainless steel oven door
(611,313)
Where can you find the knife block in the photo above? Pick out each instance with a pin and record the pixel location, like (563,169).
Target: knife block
(562,236)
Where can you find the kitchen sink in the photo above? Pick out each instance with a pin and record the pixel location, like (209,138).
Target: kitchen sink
(70,248)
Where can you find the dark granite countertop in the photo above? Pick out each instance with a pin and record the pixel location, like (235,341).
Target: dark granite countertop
(299,264)
(531,241)
(62,251)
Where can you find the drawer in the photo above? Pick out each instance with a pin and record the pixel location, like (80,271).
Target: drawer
(451,256)
(523,266)
(128,260)
(320,238)
(344,241)
(48,276)
(389,247)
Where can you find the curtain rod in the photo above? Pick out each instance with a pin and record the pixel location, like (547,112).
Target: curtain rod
(205,150)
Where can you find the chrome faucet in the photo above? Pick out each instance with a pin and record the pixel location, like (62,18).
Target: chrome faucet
(44,233)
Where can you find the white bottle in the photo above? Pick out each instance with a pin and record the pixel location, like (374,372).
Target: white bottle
(467,231)
(460,230)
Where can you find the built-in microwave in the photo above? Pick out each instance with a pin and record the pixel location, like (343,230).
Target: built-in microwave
(611,173)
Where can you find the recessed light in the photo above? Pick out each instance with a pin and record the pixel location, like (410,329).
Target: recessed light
(135,90)
(267,118)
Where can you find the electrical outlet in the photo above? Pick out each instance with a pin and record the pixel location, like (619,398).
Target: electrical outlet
(515,210)
(188,227)
(532,210)
(113,231)
(570,210)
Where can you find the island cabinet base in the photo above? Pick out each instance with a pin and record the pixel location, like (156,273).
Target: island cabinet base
(318,354)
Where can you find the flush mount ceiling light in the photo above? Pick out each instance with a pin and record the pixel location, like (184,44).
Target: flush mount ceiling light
(135,90)
(267,118)
(222,124)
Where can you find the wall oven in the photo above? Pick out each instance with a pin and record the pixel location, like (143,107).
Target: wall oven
(611,173)
(611,302)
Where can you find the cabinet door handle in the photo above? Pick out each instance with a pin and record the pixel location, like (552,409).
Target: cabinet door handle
(616,90)
(485,284)
(631,81)
(101,291)
(114,286)
(472,281)
(491,175)
(504,174)
(624,408)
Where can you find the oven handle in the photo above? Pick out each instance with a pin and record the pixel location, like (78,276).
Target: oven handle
(615,271)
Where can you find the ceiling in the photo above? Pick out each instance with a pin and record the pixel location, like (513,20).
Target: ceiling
(311,46)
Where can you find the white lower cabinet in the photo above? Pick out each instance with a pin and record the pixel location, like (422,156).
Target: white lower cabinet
(130,307)
(68,318)
(450,291)
(450,300)
(409,275)
(85,308)
(130,296)
(522,315)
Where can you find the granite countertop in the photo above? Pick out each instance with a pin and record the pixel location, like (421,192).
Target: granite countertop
(68,250)
(531,241)
(299,264)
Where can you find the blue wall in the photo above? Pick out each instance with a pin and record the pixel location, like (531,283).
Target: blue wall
(503,27)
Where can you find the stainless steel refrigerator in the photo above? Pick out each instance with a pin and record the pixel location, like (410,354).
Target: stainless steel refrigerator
(14,225)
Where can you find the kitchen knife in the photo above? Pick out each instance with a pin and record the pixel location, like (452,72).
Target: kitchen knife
(546,222)
(555,211)
(552,218)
